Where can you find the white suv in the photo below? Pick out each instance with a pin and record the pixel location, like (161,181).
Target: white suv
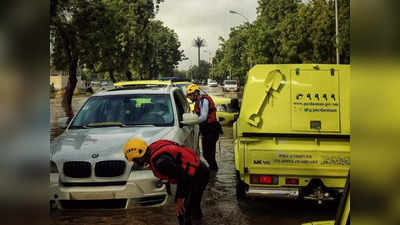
(230,85)
(87,162)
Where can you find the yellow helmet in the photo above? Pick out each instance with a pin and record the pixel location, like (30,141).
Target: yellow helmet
(135,148)
(191,88)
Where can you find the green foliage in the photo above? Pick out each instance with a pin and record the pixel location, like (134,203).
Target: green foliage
(52,89)
(181,74)
(232,58)
(201,72)
(285,31)
(115,39)
(163,48)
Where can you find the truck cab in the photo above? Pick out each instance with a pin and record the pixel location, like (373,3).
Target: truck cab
(292,137)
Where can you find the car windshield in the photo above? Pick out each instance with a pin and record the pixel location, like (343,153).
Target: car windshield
(125,110)
(230,82)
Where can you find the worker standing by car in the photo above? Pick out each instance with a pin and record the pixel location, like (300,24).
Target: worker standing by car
(210,128)
(178,165)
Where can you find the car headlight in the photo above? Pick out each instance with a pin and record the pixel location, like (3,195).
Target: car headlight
(53,167)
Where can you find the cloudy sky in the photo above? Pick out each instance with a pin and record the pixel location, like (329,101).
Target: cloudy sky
(208,19)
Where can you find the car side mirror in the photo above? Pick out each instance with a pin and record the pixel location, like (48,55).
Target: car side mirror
(190,119)
(62,122)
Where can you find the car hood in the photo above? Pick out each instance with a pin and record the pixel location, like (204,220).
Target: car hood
(220,100)
(105,143)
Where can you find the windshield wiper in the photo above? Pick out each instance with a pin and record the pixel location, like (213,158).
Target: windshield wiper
(78,127)
(106,124)
(140,125)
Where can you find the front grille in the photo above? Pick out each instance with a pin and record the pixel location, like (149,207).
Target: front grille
(94,204)
(94,184)
(112,168)
(77,169)
(152,200)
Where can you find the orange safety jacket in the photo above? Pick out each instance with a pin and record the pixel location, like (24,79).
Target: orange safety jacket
(185,157)
(212,110)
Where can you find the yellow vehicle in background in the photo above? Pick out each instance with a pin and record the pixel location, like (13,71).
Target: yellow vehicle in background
(292,138)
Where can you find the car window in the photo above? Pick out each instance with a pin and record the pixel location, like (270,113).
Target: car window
(230,82)
(182,104)
(183,87)
(136,109)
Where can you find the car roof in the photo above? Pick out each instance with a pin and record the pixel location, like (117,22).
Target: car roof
(182,82)
(127,90)
(142,82)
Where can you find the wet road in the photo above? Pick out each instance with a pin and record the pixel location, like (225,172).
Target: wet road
(219,203)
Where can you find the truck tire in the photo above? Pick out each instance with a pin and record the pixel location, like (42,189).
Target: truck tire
(240,188)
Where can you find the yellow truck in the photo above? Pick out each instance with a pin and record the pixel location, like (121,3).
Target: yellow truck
(292,137)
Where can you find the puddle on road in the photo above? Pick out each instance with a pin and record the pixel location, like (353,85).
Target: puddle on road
(219,202)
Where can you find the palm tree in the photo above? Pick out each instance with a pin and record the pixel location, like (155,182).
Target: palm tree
(199,43)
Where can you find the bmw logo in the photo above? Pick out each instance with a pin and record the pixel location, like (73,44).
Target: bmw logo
(95,155)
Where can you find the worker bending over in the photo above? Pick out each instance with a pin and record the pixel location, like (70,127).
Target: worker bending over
(176,164)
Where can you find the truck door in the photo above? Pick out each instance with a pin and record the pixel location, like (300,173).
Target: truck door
(315,100)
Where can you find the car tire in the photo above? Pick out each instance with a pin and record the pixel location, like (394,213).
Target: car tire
(240,188)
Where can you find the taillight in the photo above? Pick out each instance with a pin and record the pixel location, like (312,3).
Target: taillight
(263,179)
(254,179)
(292,181)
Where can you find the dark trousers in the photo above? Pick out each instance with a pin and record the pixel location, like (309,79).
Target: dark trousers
(199,183)
(209,142)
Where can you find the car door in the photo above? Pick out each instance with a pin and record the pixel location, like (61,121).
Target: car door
(188,135)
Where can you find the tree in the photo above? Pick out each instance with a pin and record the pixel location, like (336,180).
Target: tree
(271,38)
(233,59)
(78,37)
(163,48)
(285,31)
(199,43)
(344,31)
(200,72)
(65,23)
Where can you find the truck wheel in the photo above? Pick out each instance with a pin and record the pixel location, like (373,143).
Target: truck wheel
(240,188)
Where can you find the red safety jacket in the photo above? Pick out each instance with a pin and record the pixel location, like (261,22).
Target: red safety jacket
(186,157)
(212,110)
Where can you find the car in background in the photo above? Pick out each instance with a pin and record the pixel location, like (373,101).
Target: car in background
(87,161)
(230,85)
(212,83)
